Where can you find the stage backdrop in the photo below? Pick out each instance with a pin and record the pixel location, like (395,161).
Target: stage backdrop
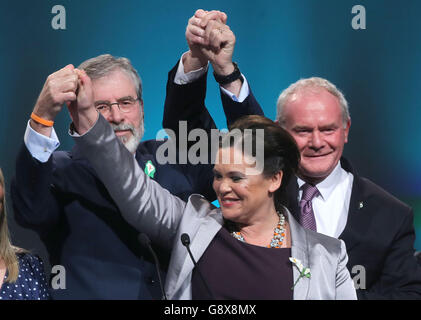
(278,42)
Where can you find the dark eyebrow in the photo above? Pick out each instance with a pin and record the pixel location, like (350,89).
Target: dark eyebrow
(238,173)
(101,102)
(230,173)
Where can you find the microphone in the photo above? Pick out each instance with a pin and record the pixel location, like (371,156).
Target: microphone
(146,242)
(185,240)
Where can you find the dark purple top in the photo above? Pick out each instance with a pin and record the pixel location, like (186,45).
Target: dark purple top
(235,270)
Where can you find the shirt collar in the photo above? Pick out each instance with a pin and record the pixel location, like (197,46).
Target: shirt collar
(329,184)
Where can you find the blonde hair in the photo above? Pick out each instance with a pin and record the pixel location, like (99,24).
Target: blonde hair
(7,251)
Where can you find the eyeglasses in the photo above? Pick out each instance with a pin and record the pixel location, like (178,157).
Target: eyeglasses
(124,105)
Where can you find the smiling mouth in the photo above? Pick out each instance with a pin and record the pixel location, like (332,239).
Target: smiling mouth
(228,202)
(122,132)
(316,155)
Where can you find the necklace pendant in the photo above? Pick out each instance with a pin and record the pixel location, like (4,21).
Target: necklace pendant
(278,234)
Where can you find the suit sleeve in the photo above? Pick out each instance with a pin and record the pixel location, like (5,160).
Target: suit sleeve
(187,103)
(400,277)
(142,202)
(235,110)
(345,289)
(34,203)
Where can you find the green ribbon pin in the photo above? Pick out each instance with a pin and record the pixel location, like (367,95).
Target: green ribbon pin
(150,169)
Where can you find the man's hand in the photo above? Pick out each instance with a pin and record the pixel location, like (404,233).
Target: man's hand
(195,36)
(220,45)
(210,39)
(82,110)
(60,87)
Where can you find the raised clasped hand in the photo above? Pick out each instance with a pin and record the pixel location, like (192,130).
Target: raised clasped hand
(210,39)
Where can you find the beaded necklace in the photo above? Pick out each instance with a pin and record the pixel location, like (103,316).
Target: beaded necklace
(278,234)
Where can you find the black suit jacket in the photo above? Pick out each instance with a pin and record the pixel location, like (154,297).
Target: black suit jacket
(187,103)
(79,223)
(379,236)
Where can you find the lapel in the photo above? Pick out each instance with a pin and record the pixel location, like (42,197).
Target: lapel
(299,250)
(201,231)
(358,220)
(292,197)
(143,155)
(358,214)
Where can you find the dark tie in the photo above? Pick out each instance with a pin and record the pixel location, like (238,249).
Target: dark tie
(307,219)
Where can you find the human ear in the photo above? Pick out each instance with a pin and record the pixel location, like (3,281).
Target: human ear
(276,181)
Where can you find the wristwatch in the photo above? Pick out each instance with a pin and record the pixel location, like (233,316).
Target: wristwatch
(236,74)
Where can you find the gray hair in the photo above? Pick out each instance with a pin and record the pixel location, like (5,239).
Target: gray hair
(104,64)
(311,83)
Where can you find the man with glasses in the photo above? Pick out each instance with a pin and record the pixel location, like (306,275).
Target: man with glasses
(57,193)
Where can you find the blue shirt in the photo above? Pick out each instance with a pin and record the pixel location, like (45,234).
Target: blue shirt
(31,283)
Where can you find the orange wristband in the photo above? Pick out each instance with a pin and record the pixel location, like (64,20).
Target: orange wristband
(42,121)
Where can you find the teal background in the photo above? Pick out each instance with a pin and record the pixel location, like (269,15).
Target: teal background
(278,42)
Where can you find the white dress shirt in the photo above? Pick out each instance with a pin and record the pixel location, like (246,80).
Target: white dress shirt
(331,206)
(183,78)
(41,147)
(38,145)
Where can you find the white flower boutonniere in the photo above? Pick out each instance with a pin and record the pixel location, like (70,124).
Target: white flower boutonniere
(304,271)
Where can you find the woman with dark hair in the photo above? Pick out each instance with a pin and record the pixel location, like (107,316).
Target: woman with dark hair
(22,274)
(249,248)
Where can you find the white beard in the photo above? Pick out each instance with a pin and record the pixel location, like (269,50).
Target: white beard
(133,141)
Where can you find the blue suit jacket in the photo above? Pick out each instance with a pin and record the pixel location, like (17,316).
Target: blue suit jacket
(79,223)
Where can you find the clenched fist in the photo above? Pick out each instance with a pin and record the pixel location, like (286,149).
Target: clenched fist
(59,88)
(68,86)
(82,110)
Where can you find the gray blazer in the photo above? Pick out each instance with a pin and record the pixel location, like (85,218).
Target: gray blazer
(164,217)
